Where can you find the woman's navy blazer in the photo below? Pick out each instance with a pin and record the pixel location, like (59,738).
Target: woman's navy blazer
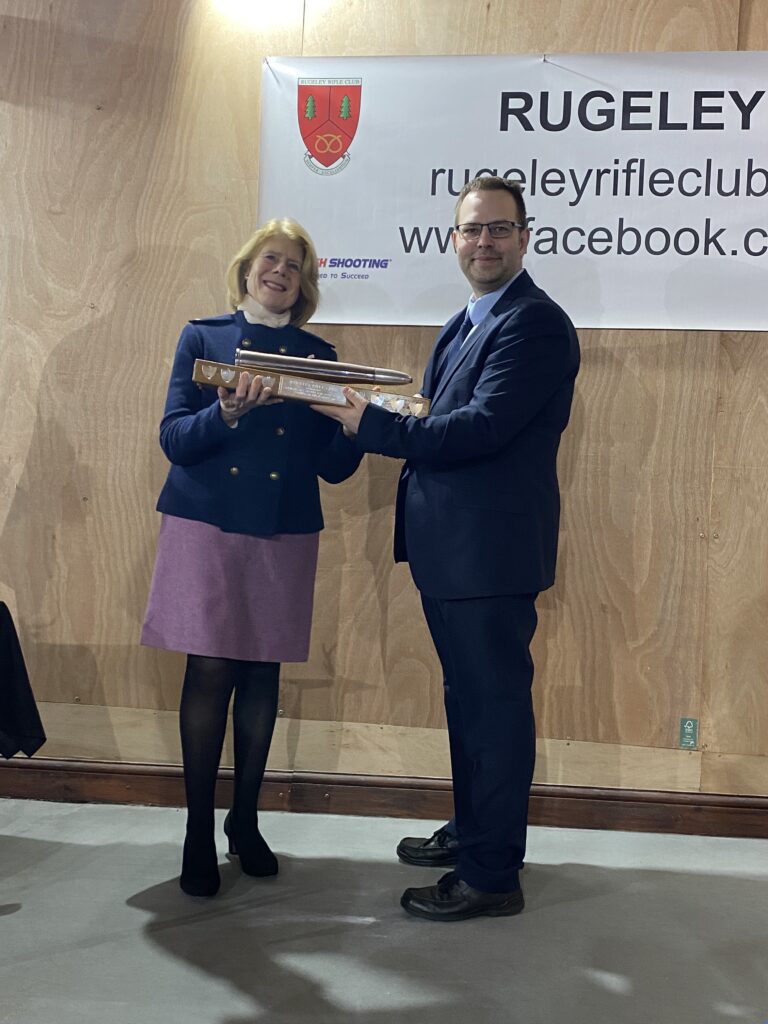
(260,478)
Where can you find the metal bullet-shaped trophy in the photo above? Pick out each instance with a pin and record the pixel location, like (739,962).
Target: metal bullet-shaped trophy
(319,381)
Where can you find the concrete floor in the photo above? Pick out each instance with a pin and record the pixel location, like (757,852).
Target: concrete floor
(618,927)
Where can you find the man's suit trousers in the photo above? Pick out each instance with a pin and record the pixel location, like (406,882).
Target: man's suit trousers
(483,645)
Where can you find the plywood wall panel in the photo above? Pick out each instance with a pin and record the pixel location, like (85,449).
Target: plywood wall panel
(753,25)
(739,774)
(360,748)
(362,27)
(735,716)
(619,645)
(128,178)
(371,658)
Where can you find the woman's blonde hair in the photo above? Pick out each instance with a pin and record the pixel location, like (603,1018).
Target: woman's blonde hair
(237,272)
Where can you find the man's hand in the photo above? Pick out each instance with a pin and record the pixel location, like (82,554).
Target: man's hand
(349,415)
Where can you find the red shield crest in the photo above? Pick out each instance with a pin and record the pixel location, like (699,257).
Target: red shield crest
(329,112)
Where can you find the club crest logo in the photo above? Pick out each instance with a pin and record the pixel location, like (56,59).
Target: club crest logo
(329,111)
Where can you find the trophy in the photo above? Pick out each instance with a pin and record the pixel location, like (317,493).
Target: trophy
(319,381)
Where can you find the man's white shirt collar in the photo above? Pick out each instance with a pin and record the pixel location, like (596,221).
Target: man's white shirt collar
(478,309)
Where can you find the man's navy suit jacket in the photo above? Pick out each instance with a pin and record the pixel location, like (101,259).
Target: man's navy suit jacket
(478,503)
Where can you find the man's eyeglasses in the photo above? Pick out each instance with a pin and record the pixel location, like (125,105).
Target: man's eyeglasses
(496,229)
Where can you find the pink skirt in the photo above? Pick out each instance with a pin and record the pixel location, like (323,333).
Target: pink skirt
(228,595)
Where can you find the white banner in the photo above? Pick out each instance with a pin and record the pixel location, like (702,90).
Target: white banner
(645,175)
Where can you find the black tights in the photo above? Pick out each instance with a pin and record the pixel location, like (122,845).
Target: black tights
(208,687)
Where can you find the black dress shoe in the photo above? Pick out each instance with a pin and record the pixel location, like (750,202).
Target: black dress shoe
(440,850)
(454,900)
(256,858)
(199,869)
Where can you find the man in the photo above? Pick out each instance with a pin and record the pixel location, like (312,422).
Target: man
(477,520)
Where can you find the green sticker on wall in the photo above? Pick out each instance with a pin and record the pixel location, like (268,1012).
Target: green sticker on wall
(689,732)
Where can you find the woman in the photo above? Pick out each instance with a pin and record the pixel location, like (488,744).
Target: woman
(237,551)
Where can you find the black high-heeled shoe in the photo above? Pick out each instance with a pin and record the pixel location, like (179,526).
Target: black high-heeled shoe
(199,869)
(256,858)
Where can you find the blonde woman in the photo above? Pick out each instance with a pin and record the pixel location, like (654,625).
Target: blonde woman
(235,568)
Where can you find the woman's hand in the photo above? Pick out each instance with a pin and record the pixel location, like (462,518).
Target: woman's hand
(249,394)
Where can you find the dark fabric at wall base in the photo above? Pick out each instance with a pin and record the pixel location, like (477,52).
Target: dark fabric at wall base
(20,725)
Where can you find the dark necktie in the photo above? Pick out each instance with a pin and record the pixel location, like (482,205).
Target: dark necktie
(453,348)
